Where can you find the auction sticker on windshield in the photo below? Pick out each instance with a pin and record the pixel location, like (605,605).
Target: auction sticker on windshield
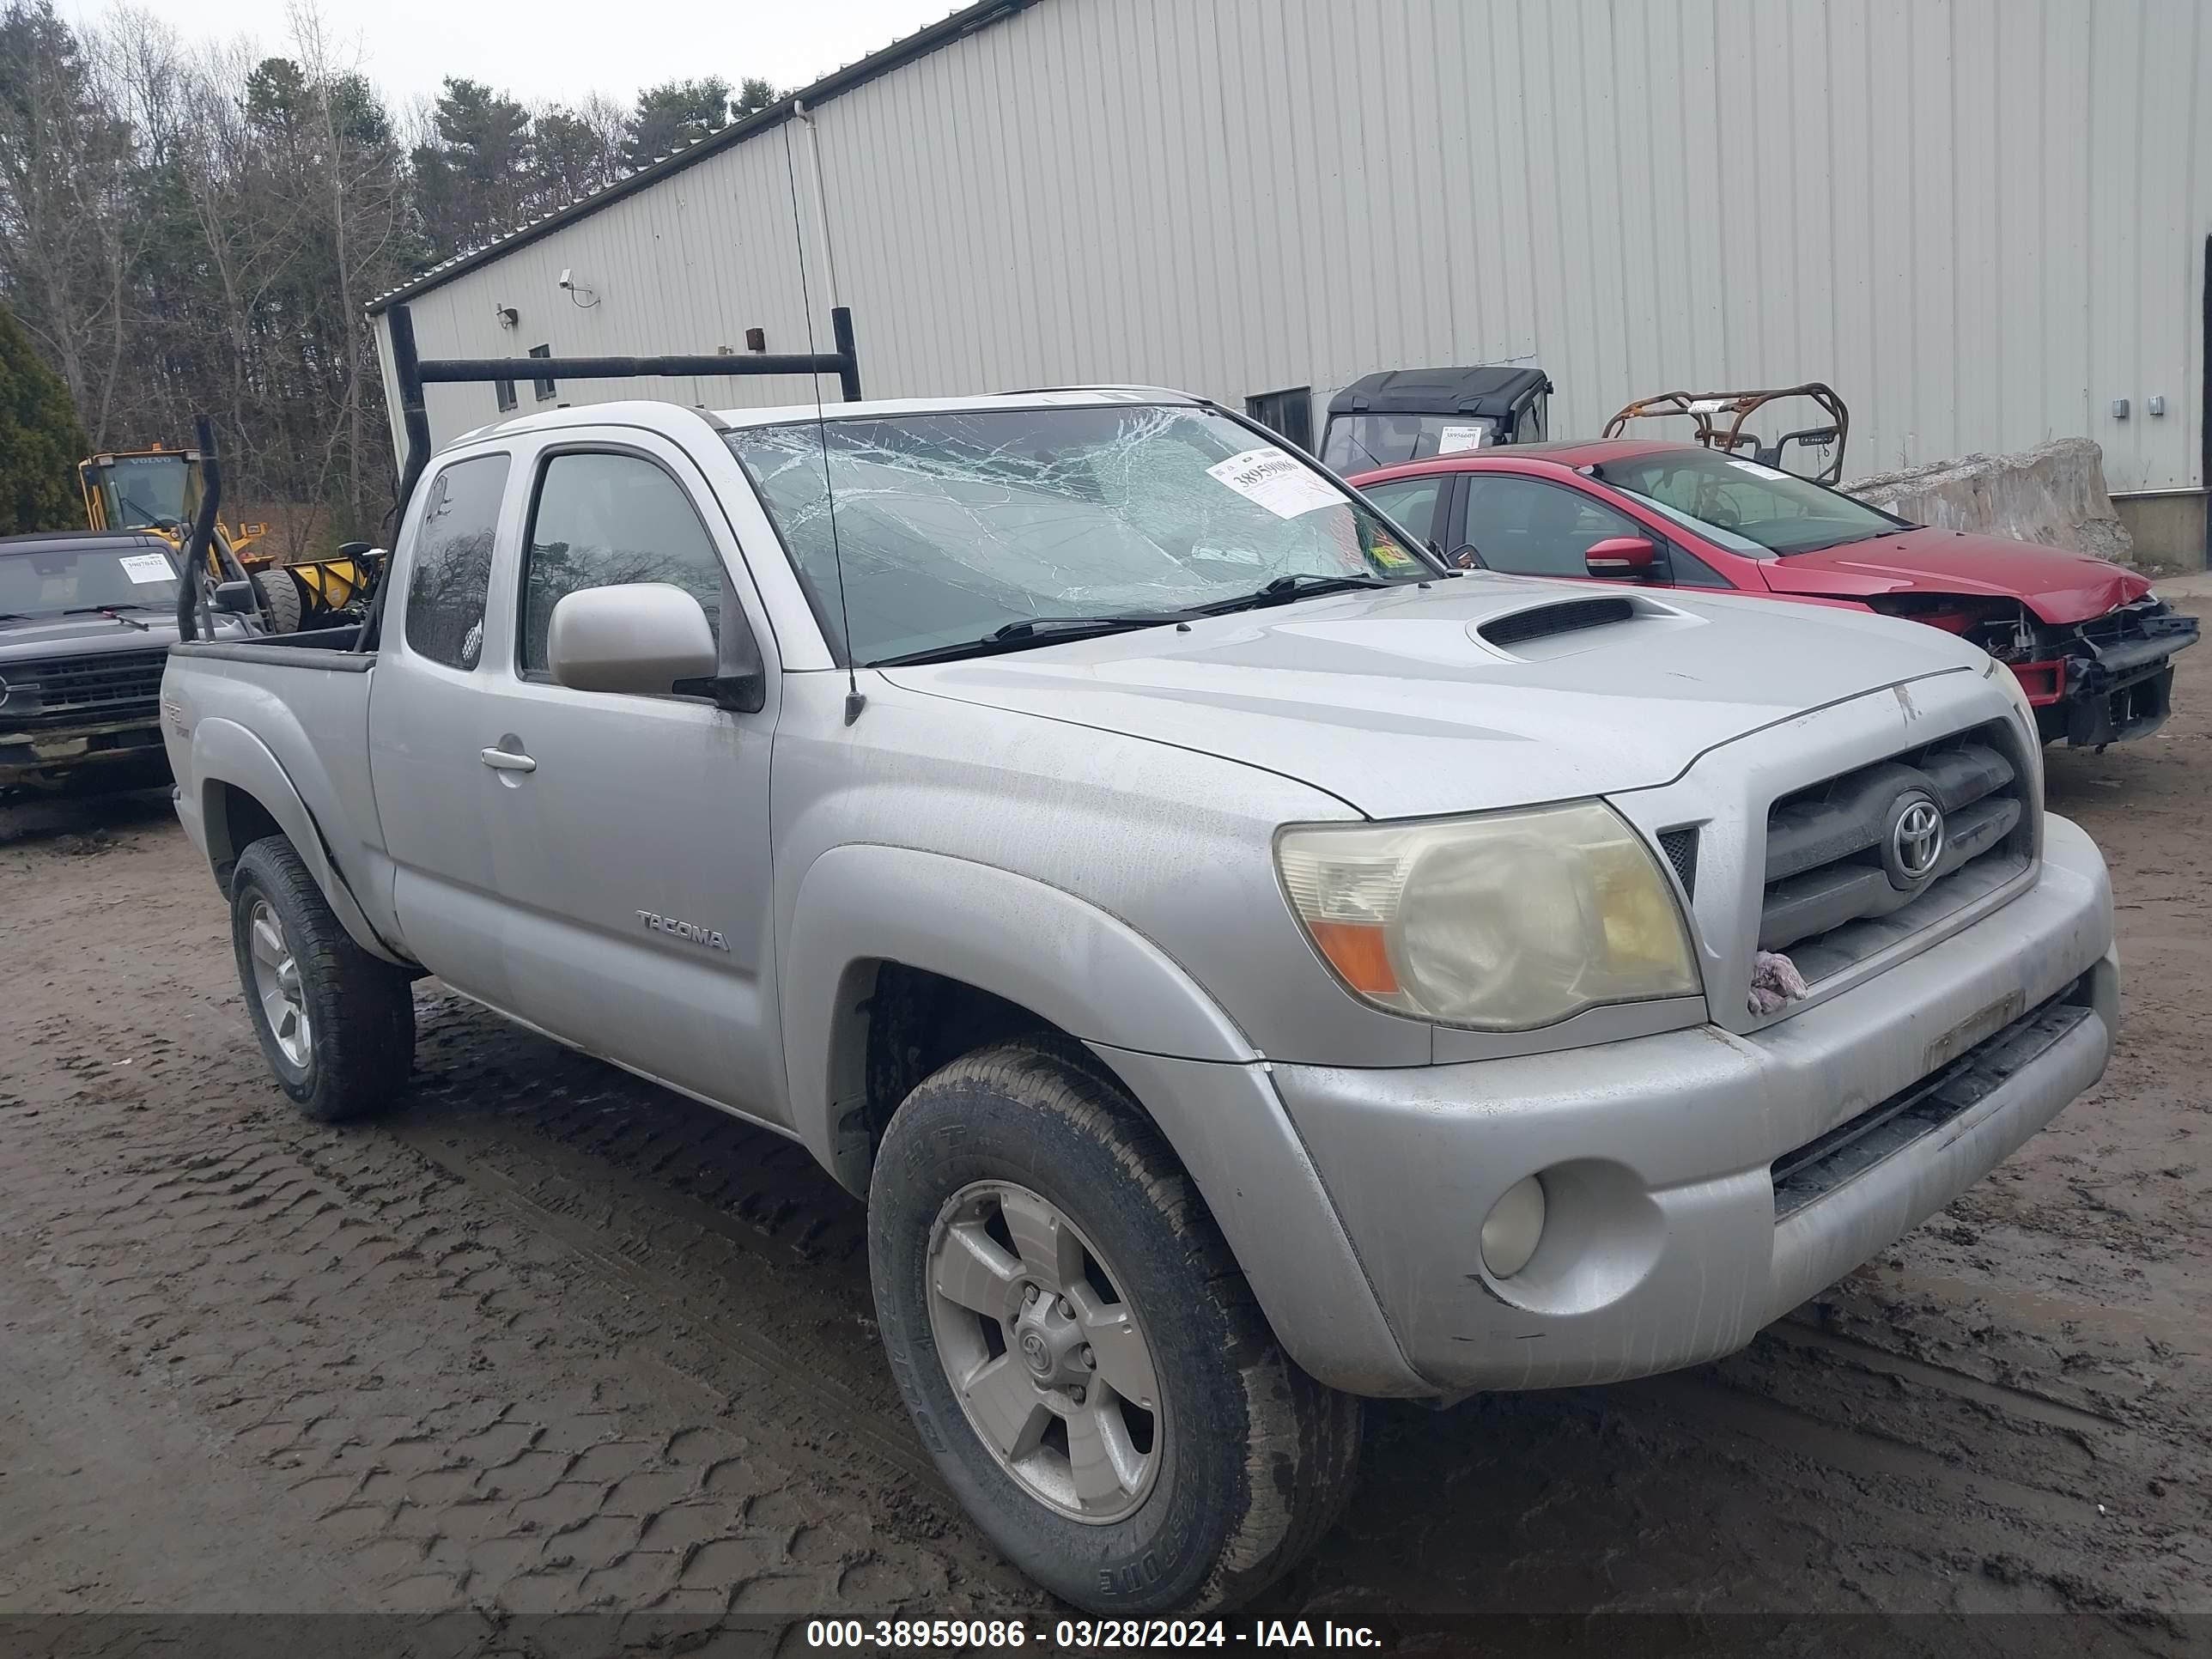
(145,568)
(1274,480)
(1453,439)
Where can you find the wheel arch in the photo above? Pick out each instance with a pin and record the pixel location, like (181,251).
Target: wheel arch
(900,961)
(244,794)
(893,951)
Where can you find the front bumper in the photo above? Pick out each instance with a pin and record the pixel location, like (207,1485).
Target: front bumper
(2112,689)
(1661,1246)
(46,758)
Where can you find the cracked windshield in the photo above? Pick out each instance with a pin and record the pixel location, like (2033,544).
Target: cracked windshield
(972,531)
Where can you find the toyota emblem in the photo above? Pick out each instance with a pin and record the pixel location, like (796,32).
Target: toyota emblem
(1915,840)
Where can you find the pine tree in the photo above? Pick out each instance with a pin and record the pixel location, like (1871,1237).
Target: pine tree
(754,95)
(474,179)
(41,442)
(676,113)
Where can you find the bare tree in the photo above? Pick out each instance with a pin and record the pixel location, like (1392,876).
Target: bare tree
(64,164)
(197,228)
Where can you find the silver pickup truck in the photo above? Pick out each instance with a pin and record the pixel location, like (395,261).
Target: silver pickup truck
(1242,965)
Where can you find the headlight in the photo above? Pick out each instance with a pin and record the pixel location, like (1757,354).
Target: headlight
(2032,741)
(1501,922)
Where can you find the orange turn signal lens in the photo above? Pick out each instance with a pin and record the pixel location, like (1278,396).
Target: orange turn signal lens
(1357,952)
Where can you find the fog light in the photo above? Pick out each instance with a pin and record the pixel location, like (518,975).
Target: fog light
(1515,1223)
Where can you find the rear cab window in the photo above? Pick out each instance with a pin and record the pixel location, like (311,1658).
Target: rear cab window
(451,579)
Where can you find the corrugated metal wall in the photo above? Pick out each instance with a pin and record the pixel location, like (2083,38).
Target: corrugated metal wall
(1981,221)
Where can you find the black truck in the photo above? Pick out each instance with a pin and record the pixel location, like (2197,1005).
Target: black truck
(87,618)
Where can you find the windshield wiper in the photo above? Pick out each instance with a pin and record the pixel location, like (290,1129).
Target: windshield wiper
(1847,541)
(15,616)
(1028,631)
(109,611)
(1300,585)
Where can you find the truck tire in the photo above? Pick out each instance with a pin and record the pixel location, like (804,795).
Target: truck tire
(278,594)
(1080,1350)
(336,1025)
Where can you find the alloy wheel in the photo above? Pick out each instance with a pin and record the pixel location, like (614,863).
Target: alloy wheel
(1044,1351)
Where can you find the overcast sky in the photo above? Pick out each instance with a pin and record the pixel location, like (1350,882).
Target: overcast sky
(564,49)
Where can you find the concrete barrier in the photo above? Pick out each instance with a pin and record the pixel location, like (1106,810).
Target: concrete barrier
(2054,494)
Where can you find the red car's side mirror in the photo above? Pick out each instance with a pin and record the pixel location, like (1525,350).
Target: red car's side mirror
(1621,557)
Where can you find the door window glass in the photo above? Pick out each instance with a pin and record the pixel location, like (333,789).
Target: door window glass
(1686,570)
(1410,501)
(603,520)
(452,562)
(1535,529)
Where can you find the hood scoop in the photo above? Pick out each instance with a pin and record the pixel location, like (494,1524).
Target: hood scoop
(1541,622)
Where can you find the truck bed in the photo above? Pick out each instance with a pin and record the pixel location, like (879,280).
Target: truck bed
(282,719)
(319,645)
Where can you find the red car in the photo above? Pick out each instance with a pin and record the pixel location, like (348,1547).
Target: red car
(2092,644)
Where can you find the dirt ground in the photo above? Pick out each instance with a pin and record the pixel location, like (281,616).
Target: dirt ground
(550,1340)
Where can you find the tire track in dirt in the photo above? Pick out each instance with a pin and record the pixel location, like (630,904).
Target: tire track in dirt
(1845,1408)
(834,1405)
(480,1404)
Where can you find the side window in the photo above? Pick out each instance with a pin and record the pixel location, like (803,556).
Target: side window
(452,562)
(601,519)
(1535,529)
(1686,570)
(1410,501)
(1287,413)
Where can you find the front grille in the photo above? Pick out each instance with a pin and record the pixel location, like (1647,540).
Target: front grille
(1838,885)
(117,685)
(1853,1147)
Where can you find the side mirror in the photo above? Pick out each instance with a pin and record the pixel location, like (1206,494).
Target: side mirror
(235,599)
(638,637)
(1465,556)
(1621,557)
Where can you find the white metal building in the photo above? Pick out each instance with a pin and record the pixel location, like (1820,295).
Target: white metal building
(1985,221)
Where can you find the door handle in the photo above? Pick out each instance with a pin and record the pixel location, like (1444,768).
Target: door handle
(506,760)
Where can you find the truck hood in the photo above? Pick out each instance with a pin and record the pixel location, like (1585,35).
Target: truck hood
(1393,701)
(2059,586)
(86,636)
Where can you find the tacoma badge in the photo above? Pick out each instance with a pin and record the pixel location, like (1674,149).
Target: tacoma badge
(690,930)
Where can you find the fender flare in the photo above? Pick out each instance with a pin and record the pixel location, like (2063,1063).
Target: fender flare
(1033,943)
(1198,1076)
(225,753)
